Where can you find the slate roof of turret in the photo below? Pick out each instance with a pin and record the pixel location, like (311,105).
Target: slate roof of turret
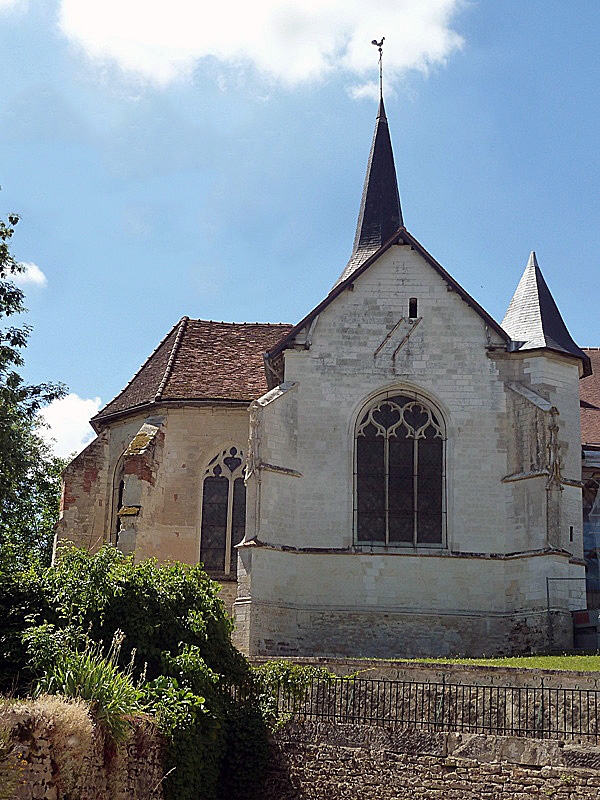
(533,320)
(380,214)
(589,392)
(200,360)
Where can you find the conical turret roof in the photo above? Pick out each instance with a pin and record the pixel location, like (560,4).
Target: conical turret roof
(380,214)
(533,320)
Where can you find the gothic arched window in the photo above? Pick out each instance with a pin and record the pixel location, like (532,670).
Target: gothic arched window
(399,473)
(223,512)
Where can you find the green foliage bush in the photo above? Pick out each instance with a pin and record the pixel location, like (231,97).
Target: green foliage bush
(90,675)
(161,609)
(175,660)
(275,678)
(20,600)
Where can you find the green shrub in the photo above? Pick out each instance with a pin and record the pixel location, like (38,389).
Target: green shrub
(92,676)
(160,608)
(293,681)
(171,617)
(20,599)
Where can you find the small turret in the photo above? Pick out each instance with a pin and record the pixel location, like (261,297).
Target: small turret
(533,320)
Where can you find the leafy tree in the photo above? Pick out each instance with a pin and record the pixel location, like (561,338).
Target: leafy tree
(29,474)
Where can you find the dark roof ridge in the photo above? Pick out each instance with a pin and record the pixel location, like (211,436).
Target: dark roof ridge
(161,387)
(407,238)
(238,324)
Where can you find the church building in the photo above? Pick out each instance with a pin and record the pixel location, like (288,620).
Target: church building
(395,475)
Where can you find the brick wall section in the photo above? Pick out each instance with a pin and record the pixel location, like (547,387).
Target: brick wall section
(84,503)
(325,761)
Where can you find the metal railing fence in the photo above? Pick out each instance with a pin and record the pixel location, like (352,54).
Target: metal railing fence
(539,712)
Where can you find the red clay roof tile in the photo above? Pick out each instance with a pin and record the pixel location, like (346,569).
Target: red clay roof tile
(589,392)
(202,360)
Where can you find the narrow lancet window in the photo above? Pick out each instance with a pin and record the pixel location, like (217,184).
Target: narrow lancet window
(223,512)
(412,308)
(118,490)
(400,473)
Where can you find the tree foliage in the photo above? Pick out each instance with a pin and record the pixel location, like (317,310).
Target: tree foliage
(29,474)
(61,621)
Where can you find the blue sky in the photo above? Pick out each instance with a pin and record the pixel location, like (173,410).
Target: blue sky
(210,162)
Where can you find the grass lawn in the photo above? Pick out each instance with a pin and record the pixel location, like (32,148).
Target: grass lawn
(580,663)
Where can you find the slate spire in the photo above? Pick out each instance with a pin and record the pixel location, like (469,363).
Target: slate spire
(380,214)
(533,320)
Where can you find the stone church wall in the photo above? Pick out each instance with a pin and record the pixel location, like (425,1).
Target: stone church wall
(85,509)
(444,358)
(356,604)
(311,588)
(162,482)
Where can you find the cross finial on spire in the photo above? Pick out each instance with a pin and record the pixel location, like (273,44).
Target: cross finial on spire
(379,46)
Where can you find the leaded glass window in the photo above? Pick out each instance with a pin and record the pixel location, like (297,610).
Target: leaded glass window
(223,512)
(400,482)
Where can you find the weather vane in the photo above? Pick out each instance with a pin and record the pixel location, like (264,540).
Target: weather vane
(379,46)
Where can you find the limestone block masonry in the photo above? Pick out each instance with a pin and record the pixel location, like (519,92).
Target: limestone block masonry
(511,507)
(325,761)
(161,461)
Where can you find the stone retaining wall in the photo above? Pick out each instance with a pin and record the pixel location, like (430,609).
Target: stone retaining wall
(324,761)
(52,749)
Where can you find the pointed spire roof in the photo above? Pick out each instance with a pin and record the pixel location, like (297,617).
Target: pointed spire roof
(533,320)
(380,215)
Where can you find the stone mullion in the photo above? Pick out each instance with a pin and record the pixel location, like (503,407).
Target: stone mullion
(386,470)
(415,489)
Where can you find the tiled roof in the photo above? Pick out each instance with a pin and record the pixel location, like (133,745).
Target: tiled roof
(380,215)
(589,392)
(533,320)
(201,360)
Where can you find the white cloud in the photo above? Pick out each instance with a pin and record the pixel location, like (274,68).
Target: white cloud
(33,275)
(68,419)
(289,41)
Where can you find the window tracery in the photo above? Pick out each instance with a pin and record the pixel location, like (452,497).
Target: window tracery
(399,473)
(223,512)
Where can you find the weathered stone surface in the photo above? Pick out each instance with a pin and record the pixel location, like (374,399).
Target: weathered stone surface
(57,755)
(313,589)
(310,764)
